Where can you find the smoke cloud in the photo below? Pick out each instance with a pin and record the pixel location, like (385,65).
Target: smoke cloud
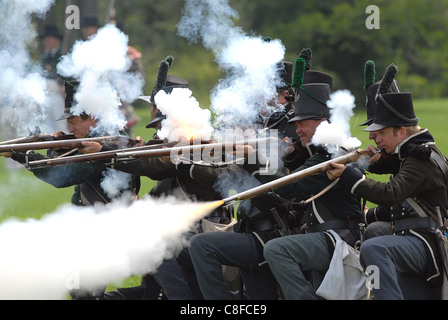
(250,63)
(184,117)
(335,135)
(101,66)
(114,182)
(91,246)
(23,96)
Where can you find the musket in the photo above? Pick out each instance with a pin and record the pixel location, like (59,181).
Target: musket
(36,135)
(36,138)
(314,170)
(194,148)
(67,143)
(165,149)
(96,156)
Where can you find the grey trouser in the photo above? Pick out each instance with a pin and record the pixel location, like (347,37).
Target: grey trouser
(210,251)
(391,256)
(289,257)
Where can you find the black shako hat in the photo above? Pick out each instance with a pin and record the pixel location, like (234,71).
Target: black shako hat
(52,31)
(167,83)
(312,103)
(286,68)
(71,85)
(393,110)
(371,102)
(314,76)
(311,97)
(159,115)
(372,87)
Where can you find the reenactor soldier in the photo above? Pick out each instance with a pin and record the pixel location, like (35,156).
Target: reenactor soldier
(330,216)
(414,200)
(380,162)
(264,218)
(176,275)
(86,177)
(303,73)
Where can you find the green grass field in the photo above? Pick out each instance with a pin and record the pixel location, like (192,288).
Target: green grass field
(23,196)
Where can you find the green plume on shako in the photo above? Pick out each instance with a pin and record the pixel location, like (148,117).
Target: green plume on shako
(369,74)
(299,72)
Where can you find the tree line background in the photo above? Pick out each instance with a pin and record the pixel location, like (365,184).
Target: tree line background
(412,35)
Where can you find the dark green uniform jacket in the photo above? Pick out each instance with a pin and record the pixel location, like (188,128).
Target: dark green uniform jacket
(86,177)
(419,180)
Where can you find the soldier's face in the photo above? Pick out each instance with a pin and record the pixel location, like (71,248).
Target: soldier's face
(306,129)
(389,138)
(80,127)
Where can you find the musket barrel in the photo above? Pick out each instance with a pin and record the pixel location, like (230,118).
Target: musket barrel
(319,168)
(149,150)
(189,148)
(17,140)
(37,138)
(152,144)
(69,143)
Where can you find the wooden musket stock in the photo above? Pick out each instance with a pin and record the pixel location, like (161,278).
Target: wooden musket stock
(317,169)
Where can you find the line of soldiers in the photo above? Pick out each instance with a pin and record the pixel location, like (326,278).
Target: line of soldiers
(282,243)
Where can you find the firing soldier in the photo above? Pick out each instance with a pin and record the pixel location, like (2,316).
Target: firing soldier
(176,275)
(415,199)
(413,202)
(241,249)
(86,177)
(260,220)
(380,162)
(163,172)
(384,163)
(331,215)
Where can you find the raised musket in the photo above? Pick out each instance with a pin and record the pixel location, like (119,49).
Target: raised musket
(317,169)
